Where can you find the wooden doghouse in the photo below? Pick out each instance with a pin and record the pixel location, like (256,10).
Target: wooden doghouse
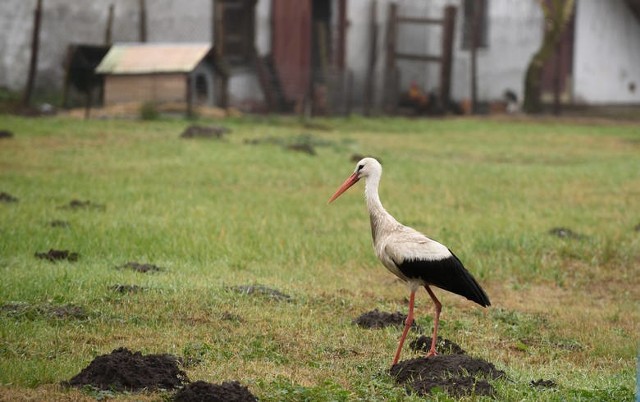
(156,72)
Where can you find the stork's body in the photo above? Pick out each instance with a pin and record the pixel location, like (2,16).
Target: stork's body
(413,257)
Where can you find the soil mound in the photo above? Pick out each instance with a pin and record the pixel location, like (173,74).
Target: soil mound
(566,233)
(302,147)
(120,288)
(57,255)
(543,383)
(457,375)
(138,267)
(123,370)
(6,134)
(228,391)
(443,346)
(30,311)
(195,131)
(379,319)
(6,197)
(261,290)
(79,204)
(57,223)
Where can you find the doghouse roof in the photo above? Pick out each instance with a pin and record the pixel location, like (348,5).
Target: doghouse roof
(148,58)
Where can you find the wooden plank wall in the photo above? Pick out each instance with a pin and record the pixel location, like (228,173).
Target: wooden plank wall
(151,87)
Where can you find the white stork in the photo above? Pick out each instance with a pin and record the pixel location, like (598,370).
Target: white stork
(410,255)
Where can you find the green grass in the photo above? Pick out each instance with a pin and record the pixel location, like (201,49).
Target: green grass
(217,214)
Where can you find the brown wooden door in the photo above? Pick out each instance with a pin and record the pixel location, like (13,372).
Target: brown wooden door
(558,69)
(291,41)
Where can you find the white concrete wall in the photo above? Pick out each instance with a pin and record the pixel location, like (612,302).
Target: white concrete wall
(515,33)
(70,21)
(607,48)
(606,53)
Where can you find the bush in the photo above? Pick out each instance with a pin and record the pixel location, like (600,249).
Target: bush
(149,111)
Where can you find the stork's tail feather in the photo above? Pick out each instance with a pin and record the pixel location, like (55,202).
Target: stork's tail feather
(448,274)
(471,288)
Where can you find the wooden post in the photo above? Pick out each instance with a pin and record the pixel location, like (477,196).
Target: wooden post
(475,39)
(341,48)
(349,91)
(67,76)
(108,37)
(369,90)
(143,21)
(218,27)
(447,52)
(189,95)
(33,64)
(556,79)
(390,74)
(88,103)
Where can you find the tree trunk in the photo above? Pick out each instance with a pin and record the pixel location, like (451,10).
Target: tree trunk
(557,14)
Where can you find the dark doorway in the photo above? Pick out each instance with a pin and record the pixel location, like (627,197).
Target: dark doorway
(558,69)
(201,90)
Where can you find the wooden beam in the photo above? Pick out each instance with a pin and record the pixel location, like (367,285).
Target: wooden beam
(447,55)
(108,34)
(142,21)
(390,69)
(33,62)
(341,45)
(418,20)
(419,57)
(369,89)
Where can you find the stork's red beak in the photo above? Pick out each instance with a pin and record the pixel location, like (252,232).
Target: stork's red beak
(351,180)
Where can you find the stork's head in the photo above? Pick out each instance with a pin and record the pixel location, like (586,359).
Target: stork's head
(367,167)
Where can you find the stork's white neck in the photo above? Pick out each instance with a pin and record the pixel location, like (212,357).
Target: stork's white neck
(380,218)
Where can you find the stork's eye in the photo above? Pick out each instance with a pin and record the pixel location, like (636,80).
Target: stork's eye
(360,167)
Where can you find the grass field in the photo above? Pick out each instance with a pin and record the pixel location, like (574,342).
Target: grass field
(219,214)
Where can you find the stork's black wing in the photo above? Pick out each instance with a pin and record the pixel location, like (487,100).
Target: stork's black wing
(447,273)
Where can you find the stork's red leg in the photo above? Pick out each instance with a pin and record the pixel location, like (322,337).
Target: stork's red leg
(407,325)
(434,338)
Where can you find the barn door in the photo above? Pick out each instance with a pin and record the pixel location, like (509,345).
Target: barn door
(290,46)
(558,69)
(234,31)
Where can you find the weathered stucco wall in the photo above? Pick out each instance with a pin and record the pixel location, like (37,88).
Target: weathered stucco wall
(515,32)
(70,21)
(607,53)
(607,48)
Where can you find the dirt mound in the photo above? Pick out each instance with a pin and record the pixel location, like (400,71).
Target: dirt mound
(6,134)
(123,370)
(543,383)
(47,310)
(379,319)
(6,197)
(443,346)
(138,267)
(566,233)
(57,223)
(79,204)
(302,147)
(120,288)
(261,290)
(228,391)
(457,375)
(213,132)
(57,255)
